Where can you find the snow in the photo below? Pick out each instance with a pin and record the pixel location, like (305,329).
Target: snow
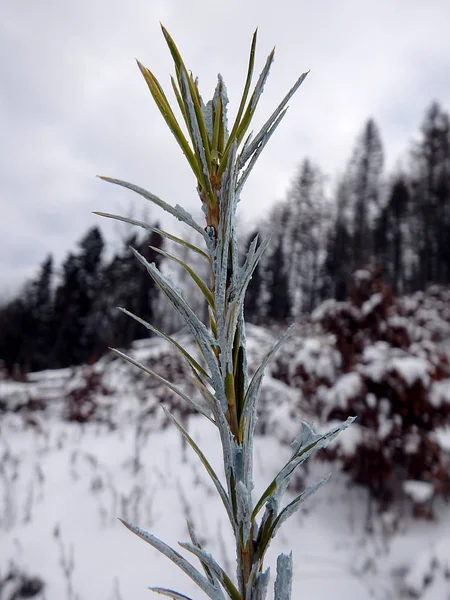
(440,393)
(362,275)
(317,357)
(442,436)
(411,369)
(370,304)
(348,386)
(419,491)
(380,358)
(76,480)
(429,575)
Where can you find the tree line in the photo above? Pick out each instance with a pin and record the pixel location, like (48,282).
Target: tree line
(74,320)
(399,222)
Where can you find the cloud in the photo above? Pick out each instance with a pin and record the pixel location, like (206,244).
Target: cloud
(73,104)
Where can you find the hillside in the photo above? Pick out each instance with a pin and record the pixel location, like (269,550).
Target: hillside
(81,447)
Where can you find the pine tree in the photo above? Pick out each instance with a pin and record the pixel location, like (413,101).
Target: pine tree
(279,302)
(78,332)
(431,198)
(338,264)
(364,180)
(15,341)
(41,312)
(308,219)
(130,287)
(390,236)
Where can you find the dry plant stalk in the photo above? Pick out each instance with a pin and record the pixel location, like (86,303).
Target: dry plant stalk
(221,162)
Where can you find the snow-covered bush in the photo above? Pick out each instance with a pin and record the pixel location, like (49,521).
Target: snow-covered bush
(395,377)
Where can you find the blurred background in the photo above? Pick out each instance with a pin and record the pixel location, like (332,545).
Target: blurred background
(354,189)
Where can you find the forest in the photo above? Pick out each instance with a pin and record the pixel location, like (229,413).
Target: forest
(397,224)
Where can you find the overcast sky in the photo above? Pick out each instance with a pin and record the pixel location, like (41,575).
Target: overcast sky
(73,103)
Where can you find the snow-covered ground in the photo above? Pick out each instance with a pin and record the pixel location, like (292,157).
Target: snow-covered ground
(63,486)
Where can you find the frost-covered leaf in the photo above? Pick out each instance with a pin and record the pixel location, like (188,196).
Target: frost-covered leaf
(176,558)
(215,568)
(170,593)
(191,360)
(283,581)
(149,227)
(219,487)
(304,446)
(176,211)
(163,380)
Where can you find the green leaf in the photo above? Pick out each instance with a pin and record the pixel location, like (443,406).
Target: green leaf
(169,117)
(206,342)
(257,153)
(219,487)
(191,360)
(175,557)
(216,130)
(253,103)
(176,211)
(149,227)
(273,522)
(293,506)
(163,380)
(195,121)
(198,280)
(180,102)
(209,561)
(301,453)
(244,97)
(192,89)
(273,120)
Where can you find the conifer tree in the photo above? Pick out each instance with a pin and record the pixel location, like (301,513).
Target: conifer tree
(431,198)
(77,335)
(41,313)
(279,301)
(364,186)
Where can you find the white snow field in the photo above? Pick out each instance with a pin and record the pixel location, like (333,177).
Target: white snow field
(63,486)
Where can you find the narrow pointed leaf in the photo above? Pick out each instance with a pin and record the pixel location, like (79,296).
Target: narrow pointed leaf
(257,377)
(257,153)
(192,362)
(167,113)
(198,280)
(253,103)
(201,147)
(180,102)
(198,329)
(272,119)
(207,559)
(196,542)
(193,92)
(274,523)
(176,211)
(163,380)
(293,506)
(279,484)
(216,481)
(149,227)
(283,581)
(170,593)
(176,558)
(248,81)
